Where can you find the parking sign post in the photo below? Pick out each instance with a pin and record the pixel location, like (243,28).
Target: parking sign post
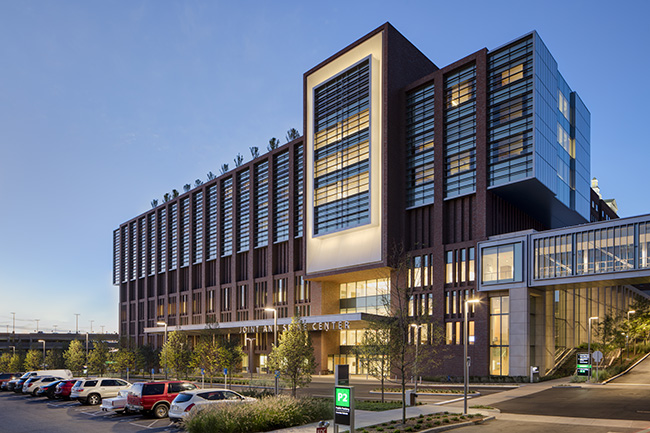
(344,406)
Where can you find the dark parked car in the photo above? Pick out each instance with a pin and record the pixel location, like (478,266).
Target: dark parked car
(48,389)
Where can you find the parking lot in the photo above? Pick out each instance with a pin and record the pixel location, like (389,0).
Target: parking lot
(20,413)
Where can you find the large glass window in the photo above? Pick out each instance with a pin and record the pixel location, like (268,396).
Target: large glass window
(226,217)
(367,296)
(501,264)
(419,142)
(341,150)
(499,335)
(460,132)
(243,207)
(261,210)
(510,113)
(281,197)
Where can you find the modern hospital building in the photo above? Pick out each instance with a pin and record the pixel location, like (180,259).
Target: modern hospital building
(479,171)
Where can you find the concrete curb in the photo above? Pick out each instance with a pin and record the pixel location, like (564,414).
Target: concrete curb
(626,371)
(421,393)
(449,427)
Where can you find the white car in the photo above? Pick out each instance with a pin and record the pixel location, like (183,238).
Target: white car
(92,390)
(187,401)
(32,385)
(116,404)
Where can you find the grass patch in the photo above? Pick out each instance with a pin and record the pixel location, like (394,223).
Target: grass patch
(480,406)
(265,414)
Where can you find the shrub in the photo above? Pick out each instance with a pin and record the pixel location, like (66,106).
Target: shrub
(269,413)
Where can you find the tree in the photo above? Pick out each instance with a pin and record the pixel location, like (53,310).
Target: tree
(273,144)
(5,360)
(292,134)
(211,176)
(75,356)
(224,168)
(187,187)
(97,358)
(146,357)
(15,363)
(294,355)
(206,356)
(255,151)
(54,359)
(400,320)
(124,359)
(33,360)
(230,354)
(175,193)
(239,160)
(166,197)
(154,202)
(374,352)
(197,183)
(176,353)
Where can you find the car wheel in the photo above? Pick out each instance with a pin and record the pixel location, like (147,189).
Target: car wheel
(35,391)
(94,399)
(160,410)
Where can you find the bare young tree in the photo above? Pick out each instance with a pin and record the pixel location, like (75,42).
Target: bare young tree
(292,134)
(239,160)
(224,168)
(187,187)
(273,144)
(211,176)
(255,151)
(154,202)
(197,183)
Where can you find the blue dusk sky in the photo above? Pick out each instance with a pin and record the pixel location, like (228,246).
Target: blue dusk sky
(106,105)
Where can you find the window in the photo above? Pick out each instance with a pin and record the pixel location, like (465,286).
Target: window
(499,335)
(280,291)
(501,264)
(342,150)
(226,217)
(449,267)
(213,206)
(261,211)
(225,299)
(281,197)
(366,296)
(419,142)
(563,105)
(243,206)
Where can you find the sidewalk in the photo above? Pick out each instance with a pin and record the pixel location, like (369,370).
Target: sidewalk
(455,405)
(364,418)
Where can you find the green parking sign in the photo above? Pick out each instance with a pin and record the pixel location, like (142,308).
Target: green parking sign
(343,397)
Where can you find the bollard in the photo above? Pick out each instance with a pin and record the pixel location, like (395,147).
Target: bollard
(322,427)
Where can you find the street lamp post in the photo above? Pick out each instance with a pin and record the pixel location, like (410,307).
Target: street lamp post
(250,358)
(161,323)
(37,320)
(589,343)
(91,326)
(14,349)
(43,341)
(466,359)
(627,336)
(275,325)
(77,323)
(417,343)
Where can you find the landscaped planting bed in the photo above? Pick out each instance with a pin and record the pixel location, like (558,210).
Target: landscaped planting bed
(422,423)
(265,414)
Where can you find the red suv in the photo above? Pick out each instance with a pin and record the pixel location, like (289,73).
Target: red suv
(155,397)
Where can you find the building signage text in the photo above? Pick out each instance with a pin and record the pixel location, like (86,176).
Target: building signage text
(316,326)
